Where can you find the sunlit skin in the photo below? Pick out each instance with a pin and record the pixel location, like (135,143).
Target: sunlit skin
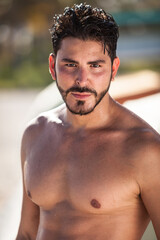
(91,168)
(94,74)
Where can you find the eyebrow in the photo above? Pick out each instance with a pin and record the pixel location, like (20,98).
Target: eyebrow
(96,61)
(69,60)
(90,62)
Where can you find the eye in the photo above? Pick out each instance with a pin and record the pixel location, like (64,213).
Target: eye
(71,65)
(95,65)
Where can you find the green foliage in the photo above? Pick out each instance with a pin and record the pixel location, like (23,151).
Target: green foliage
(26,75)
(136,66)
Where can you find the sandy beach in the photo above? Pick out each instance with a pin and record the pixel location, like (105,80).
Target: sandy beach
(15,106)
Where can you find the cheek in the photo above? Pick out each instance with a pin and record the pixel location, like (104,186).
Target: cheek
(64,78)
(101,79)
(66,71)
(65,74)
(103,72)
(60,72)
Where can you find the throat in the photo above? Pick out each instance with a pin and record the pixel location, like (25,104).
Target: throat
(93,120)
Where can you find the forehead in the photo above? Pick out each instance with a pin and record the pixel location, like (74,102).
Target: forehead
(74,47)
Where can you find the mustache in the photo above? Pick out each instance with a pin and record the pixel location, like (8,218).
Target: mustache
(81,90)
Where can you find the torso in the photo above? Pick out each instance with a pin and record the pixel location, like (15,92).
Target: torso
(84,183)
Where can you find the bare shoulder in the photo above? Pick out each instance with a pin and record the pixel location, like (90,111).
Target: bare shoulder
(38,127)
(52,116)
(148,154)
(129,120)
(143,141)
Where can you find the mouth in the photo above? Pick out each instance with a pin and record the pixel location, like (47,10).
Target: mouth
(81,96)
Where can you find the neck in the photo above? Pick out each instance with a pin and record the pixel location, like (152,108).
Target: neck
(101,116)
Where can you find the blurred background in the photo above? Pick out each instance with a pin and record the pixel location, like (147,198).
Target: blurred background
(25,39)
(26,87)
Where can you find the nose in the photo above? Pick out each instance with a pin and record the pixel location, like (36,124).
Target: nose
(82,77)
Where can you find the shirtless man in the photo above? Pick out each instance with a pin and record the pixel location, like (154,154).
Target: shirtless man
(91,167)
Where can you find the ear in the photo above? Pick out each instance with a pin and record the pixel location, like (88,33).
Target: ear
(115,66)
(52,65)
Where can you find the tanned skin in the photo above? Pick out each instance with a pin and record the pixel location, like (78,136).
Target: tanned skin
(88,176)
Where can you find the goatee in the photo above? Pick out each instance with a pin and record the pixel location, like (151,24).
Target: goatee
(79,107)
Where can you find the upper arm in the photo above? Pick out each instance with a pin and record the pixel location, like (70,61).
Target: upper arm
(30,211)
(149,181)
(29,218)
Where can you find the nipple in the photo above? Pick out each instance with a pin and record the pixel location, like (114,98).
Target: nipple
(95,203)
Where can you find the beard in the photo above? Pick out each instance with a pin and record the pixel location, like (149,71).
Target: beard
(81,107)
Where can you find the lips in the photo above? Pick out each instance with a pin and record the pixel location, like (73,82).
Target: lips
(81,95)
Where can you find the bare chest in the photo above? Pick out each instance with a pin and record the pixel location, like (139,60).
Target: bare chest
(94,175)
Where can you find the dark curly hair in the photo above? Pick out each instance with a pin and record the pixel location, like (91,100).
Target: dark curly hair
(87,23)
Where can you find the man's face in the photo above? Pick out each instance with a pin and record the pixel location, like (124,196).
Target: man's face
(83,74)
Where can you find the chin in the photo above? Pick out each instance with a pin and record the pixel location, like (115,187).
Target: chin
(80,109)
